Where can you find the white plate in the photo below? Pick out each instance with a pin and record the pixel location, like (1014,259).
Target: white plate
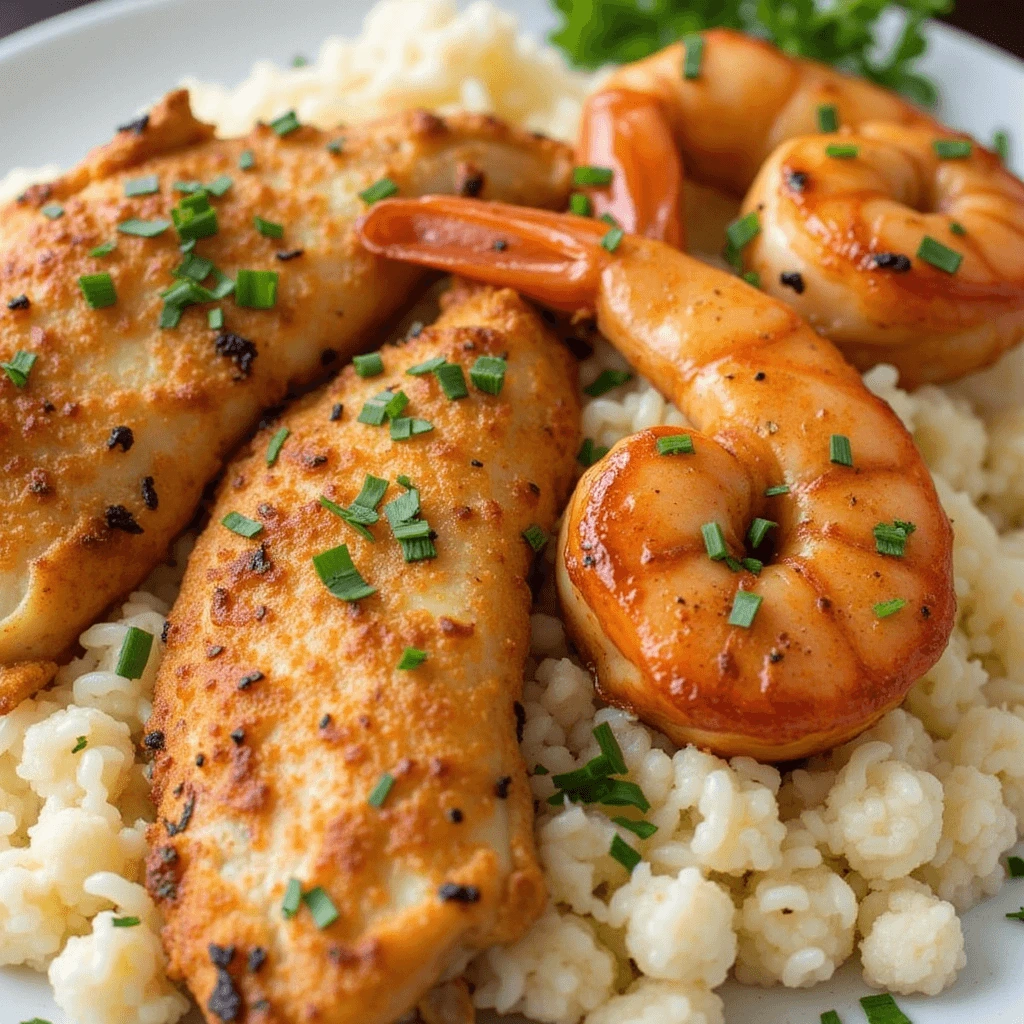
(67,83)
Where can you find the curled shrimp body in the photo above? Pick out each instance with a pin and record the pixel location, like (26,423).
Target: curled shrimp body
(650,564)
(843,241)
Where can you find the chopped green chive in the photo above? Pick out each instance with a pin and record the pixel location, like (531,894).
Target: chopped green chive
(752,277)
(675,444)
(370,494)
(276,444)
(488,374)
(1001,144)
(422,369)
(292,898)
(374,410)
(268,228)
(369,365)
(886,608)
(957,228)
(103,250)
(643,829)
(143,228)
(882,1009)
(758,531)
(839,450)
(734,564)
(580,204)
(694,47)
(610,748)
(298,61)
(220,185)
(606,381)
(81,742)
(215,319)
(412,657)
(406,427)
(381,790)
(134,654)
(624,853)
(1017,915)
(892,539)
(1015,865)
(193,268)
(188,187)
(356,516)
(828,118)
(938,255)
(98,290)
(194,218)
(535,537)
(320,906)
(740,233)
(399,400)
(126,922)
(52,211)
(242,525)
(754,565)
(19,367)
(256,289)
(340,576)
(714,541)
(612,239)
(609,220)
(842,151)
(452,381)
(147,186)
(774,492)
(247,160)
(405,482)
(952,149)
(744,608)
(539,769)
(382,189)
(590,453)
(830,1017)
(586,175)
(286,123)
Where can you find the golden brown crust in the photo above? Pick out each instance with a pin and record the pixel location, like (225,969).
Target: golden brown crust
(63,556)
(21,680)
(287,796)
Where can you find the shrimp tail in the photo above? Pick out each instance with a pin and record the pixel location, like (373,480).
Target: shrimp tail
(628,132)
(556,259)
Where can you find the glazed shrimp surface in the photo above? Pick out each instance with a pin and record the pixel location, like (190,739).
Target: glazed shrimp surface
(820,660)
(842,238)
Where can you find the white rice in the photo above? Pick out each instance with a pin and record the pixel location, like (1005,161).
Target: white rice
(873,848)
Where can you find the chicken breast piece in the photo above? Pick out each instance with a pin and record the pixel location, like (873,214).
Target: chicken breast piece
(107,443)
(283,715)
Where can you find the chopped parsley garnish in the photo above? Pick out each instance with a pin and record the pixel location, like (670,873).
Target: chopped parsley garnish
(81,742)
(256,289)
(643,829)
(586,175)
(590,453)
(381,790)
(758,531)
(292,898)
(488,374)
(412,657)
(675,444)
(892,539)
(624,853)
(952,149)
(828,118)
(693,46)
(220,185)
(714,542)
(247,160)
(744,608)
(276,444)
(339,575)
(268,228)
(194,218)
(98,290)
(126,922)
(147,186)
(778,489)
(612,239)
(19,367)
(606,381)
(882,1009)
(242,525)
(382,189)
(884,609)
(369,365)
(535,537)
(580,204)
(52,211)
(938,255)
(103,250)
(422,369)
(143,228)
(452,381)
(286,123)
(134,653)
(320,906)
(839,450)
(842,151)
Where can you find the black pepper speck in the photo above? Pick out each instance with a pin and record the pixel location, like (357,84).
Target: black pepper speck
(258,561)
(500,245)
(894,261)
(120,437)
(19,302)
(153,740)
(793,279)
(119,518)
(200,760)
(166,631)
(336,410)
(247,680)
(238,736)
(136,127)
(451,892)
(796,180)
(502,786)
(257,958)
(454,815)
(214,651)
(520,712)
(325,721)
(221,956)
(149,496)
(225,1001)
(290,254)
(239,350)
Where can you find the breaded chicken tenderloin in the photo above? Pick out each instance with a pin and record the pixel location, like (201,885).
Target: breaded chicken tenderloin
(343,813)
(112,419)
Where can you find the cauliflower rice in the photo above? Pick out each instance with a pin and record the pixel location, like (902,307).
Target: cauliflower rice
(872,848)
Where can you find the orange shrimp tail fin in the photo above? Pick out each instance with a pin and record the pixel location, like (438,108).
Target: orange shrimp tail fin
(628,132)
(554,258)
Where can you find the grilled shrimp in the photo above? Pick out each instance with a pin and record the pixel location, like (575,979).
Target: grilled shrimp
(896,252)
(772,591)
(720,111)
